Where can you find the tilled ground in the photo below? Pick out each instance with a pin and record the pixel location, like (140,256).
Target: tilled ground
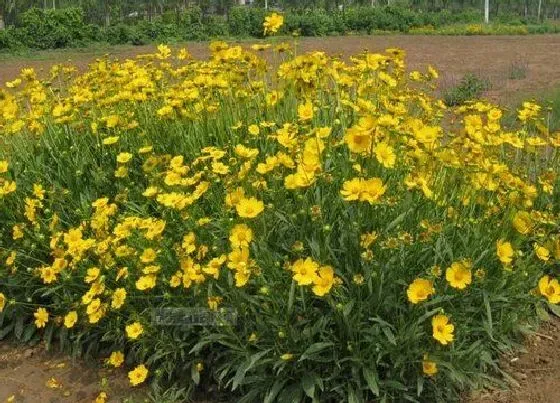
(512,63)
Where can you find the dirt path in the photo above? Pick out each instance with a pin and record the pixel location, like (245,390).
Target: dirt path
(537,57)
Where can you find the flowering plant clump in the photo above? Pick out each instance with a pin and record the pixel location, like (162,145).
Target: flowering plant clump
(346,236)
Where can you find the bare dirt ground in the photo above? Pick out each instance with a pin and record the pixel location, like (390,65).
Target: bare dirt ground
(32,375)
(537,371)
(492,57)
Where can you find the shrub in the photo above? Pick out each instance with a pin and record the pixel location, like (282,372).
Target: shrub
(310,23)
(246,21)
(471,87)
(51,29)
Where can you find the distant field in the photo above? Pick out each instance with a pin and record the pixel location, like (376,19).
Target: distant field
(512,63)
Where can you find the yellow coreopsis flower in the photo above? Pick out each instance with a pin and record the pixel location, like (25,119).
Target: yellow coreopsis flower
(305,111)
(420,290)
(522,222)
(70,319)
(442,329)
(249,208)
(385,155)
(429,367)
(542,252)
(124,158)
(272,23)
(118,298)
(240,235)
(305,271)
(459,275)
(504,250)
(116,359)
(134,330)
(550,288)
(41,317)
(323,282)
(2,301)
(138,375)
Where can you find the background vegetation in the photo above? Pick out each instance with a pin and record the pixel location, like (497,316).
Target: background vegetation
(47,24)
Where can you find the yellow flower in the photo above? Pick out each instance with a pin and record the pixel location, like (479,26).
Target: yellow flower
(254,130)
(111,140)
(138,375)
(2,301)
(134,330)
(214,302)
(459,275)
(372,190)
(504,251)
(541,252)
(92,274)
(3,167)
(522,222)
(323,282)
(240,235)
(249,208)
(124,158)
(116,359)
(148,255)
(305,271)
(17,232)
(420,290)
(287,357)
(272,23)
(305,111)
(550,289)
(101,397)
(385,155)
(118,298)
(70,319)
(429,367)
(442,329)
(41,317)
(369,190)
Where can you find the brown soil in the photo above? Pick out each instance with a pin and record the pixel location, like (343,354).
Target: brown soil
(493,57)
(535,372)
(32,375)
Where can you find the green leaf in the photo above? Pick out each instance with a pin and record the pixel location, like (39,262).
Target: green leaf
(389,334)
(488,325)
(273,392)
(195,375)
(372,380)
(555,309)
(18,329)
(542,313)
(352,396)
(28,332)
(315,349)
(246,366)
(419,385)
(308,384)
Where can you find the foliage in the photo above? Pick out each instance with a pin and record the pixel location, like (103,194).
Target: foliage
(471,87)
(368,241)
(66,27)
